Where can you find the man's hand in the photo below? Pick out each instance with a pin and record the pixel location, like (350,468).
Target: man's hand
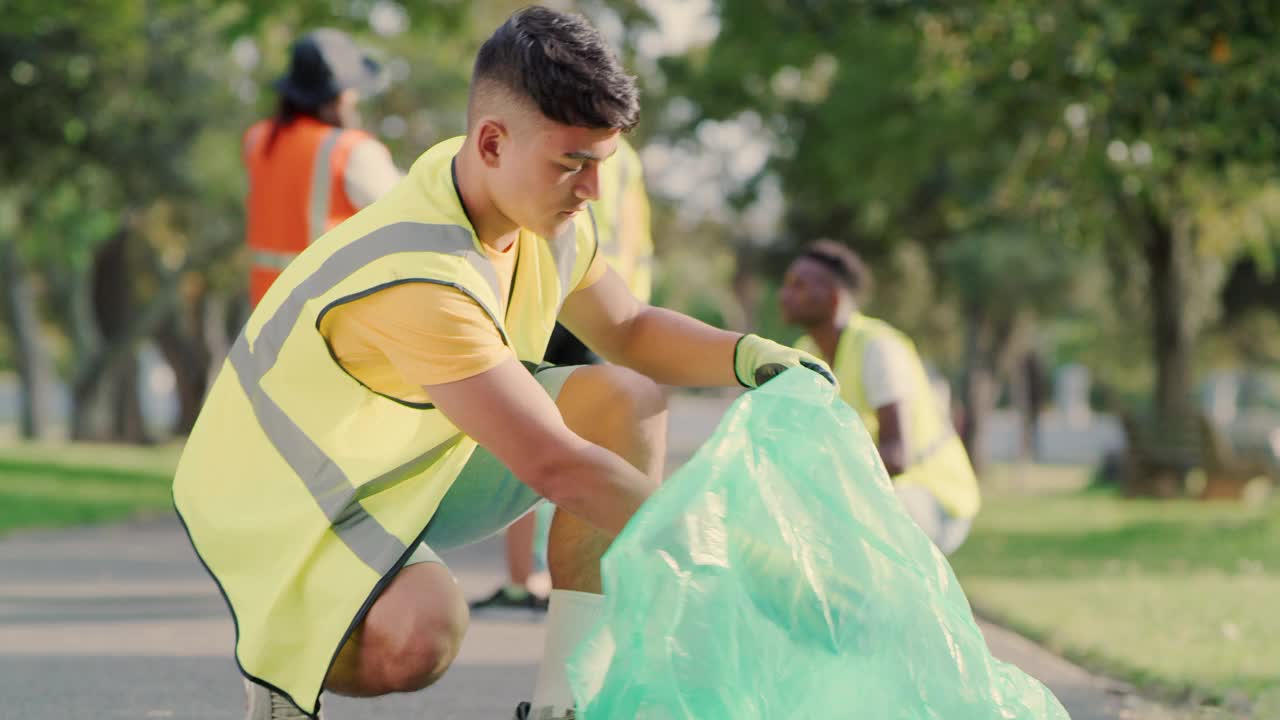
(506,411)
(757,360)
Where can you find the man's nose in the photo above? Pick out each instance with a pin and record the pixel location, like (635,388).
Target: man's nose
(588,185)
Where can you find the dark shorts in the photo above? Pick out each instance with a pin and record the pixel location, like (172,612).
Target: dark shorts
(565,348)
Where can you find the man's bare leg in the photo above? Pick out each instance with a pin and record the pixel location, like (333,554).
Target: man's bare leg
(624,412)
(519,542)
(408,639)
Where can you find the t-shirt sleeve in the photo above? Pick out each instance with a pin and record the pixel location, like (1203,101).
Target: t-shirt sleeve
(370,173)
(595,271)
(886,368)
(431,334)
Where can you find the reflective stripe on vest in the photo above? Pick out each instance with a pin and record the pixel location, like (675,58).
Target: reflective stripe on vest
(938,460)
(922,454)
(925,426)
(272,259)
(287,209)
(303,490)
(333,491)
(321,182)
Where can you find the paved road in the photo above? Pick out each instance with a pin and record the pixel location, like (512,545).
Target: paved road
(120,622)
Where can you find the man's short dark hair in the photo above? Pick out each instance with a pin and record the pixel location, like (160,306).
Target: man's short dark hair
(560,62)
(843,263)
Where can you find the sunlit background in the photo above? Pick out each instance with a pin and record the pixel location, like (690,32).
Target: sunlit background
(1071,208)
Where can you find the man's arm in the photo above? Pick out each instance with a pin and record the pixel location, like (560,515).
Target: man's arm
(671,348)
(506,411)
(887,385)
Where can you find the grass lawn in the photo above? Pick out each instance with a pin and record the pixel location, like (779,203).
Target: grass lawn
(1180,597)
(59,485)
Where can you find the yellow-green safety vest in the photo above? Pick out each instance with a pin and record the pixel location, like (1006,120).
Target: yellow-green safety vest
(622,214)
(302,490)
(938,460)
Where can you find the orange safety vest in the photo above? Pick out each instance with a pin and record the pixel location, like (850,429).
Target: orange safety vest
(296,192)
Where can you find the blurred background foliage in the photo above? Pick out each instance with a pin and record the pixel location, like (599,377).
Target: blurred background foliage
(1090,183)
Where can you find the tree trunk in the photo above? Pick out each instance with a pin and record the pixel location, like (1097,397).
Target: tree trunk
(1169,257)
(71,296)
(1027,385)
(127,421)
(995,340)
(107,322)
(1020,394)
(978,384)
(188,354)
(111,294)
(746,290)
(30,358)
(218,334)
(83,426)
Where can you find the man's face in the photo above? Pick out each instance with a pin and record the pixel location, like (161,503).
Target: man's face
(808,294)
(548,172)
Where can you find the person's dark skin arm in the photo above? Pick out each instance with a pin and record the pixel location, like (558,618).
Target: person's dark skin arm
(891,445)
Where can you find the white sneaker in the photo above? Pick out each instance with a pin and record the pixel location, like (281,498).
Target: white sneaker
(265,704)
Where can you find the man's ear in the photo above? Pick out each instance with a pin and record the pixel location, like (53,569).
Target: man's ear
(491,140)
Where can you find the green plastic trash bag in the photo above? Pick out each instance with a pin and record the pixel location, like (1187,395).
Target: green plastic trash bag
(776,576)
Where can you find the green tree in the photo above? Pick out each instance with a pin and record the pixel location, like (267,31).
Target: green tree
(874,149)
(1086,130)
(1161,132)
(123,185)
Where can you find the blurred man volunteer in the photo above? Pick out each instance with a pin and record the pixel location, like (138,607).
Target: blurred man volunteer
(621,215)
(622,212)
(310,167)
(622,218)
(386,398)
(883,378)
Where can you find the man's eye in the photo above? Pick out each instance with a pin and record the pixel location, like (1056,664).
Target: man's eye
(577,169)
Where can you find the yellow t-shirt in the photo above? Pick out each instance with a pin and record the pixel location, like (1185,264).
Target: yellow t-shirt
(405,336)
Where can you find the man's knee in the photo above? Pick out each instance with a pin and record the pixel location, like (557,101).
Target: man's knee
(418,658)
(412,641)
(610,396)
(635,395)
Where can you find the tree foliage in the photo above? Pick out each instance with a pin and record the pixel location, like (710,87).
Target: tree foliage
(1026,145)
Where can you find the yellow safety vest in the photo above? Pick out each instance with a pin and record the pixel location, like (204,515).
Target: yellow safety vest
(938,460)
(622,214)
(303,491)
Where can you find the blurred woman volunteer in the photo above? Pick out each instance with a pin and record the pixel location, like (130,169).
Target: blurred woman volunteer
(310,167)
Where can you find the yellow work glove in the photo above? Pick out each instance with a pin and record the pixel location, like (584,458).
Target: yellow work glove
(757,360)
